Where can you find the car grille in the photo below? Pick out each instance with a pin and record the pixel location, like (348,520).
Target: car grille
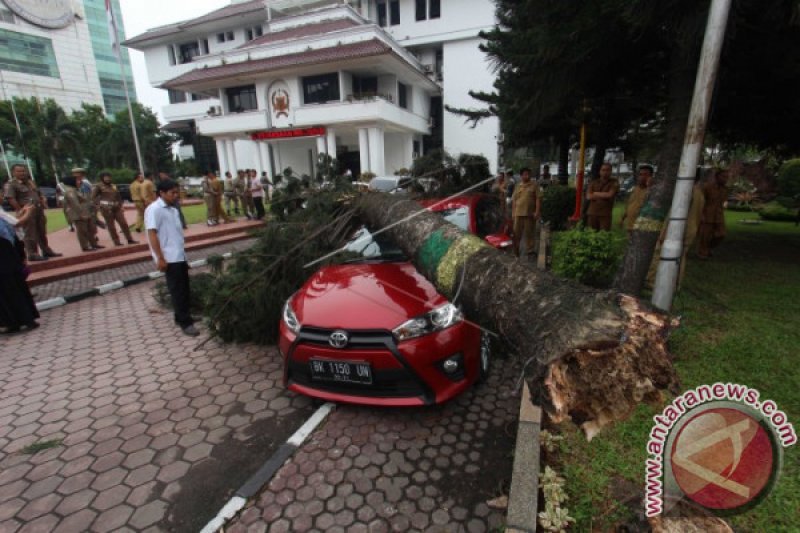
(387,383)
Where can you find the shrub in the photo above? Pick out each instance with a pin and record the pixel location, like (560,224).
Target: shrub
(558,203)
(590,257)
(777,212)
(789,179)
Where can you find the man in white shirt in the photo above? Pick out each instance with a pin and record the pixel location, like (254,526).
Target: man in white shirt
(165,236)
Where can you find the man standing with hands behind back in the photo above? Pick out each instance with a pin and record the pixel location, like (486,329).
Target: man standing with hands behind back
(165,236)
(22,191)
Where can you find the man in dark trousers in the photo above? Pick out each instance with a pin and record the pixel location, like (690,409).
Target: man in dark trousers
(165,236)
(22,191)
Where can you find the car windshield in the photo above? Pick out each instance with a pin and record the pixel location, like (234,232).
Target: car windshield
(458,216)
(369,246)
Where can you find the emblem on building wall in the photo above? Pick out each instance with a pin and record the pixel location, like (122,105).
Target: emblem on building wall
(280,103)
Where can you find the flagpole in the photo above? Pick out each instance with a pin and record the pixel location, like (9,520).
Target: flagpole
(118,52)
(5,158)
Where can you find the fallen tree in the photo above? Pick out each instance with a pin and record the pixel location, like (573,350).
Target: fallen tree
(591,355)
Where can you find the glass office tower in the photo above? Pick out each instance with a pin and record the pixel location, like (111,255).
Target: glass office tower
(107,66)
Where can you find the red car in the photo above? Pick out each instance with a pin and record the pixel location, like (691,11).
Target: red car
(374,331)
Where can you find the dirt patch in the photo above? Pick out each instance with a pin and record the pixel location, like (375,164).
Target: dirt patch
(210,484)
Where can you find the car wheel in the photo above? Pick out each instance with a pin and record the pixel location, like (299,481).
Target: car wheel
(485,357)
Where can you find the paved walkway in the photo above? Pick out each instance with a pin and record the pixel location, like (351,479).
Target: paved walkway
(150,435)
(84,282)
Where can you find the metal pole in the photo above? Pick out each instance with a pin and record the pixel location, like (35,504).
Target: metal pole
(672,249)
(5,158)
(22,140)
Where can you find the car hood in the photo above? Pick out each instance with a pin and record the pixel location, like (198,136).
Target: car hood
(370,295)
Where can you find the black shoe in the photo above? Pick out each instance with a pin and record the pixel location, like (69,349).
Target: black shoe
(72,229)
(53,254)
(89,249)
(191,331)
(97,247)
(32,325)
(131,241)
(37,258)
(117,244)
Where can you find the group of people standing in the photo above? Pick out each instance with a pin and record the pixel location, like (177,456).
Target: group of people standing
(82,206)
(247,190)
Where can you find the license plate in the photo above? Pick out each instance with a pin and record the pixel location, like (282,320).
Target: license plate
(341,371)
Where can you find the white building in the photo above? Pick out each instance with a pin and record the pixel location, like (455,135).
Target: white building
(61,49)
(277,83)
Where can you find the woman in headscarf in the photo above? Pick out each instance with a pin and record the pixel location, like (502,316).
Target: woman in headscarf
(17,309)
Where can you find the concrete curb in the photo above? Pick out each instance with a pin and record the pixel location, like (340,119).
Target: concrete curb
(257,481)
(59,301)
(523,498)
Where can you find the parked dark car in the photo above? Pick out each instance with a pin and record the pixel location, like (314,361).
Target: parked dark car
(125,191)
(50,196)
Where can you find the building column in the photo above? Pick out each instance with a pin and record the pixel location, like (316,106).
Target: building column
(408,150)
(377,153)
(222,155)
(321,145)
(259,156)
(233,166)
(265,159)
(363,149)
(332,143)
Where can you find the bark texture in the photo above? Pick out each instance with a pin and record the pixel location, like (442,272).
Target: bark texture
(591,355)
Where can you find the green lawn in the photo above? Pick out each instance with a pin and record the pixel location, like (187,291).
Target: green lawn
(739,324)
(56,220)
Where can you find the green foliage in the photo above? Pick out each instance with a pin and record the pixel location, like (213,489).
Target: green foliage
(590,257)
(453,175)
(558,203)
(186,168)
(789,179)
(244,302)
(121,176)
(777,212)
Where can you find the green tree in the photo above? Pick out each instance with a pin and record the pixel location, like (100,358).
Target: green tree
(156,145)
(96,150)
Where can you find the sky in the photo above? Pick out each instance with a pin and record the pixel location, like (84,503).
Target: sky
(142,15)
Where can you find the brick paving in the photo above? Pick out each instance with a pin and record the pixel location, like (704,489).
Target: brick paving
(139,418)
(380,470)
(154,436)
(87,281)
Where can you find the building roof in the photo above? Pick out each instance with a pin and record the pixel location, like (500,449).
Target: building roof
(231,10)
(373,47)
(305,30)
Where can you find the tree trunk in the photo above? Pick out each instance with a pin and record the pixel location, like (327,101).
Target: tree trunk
(633,271)
(592,355)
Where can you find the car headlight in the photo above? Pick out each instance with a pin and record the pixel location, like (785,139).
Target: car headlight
(440,318)
(289,318)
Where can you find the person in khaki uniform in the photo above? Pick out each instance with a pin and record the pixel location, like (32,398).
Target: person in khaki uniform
(526,208)
(79,212)
(108,201)
(149,190)
(712,226)
(22,191)
(238,189)
(137,196)
(637,198)
(210,198)
(601,194)
(230,194)
(689,235)
(219,189)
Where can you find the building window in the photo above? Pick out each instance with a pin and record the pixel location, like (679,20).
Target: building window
(6,16)
(253,33)
(394,12)
(197,97)
(434,9)
(220,37)
(422,10)
(321,89)
(382,14)
(188,51)
(229,36)
(28,54)
(242,98)
(176,97)
(402,95)
(171,53)
(365,86)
